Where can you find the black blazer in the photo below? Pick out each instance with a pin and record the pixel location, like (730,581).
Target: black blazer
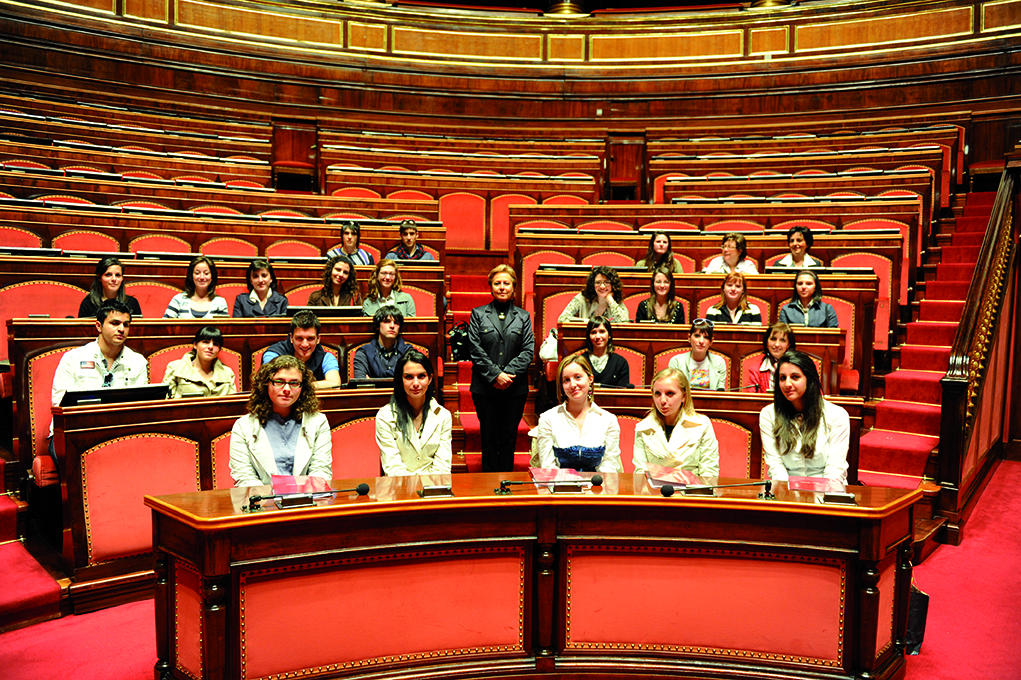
(617,372)
(493,352)
(276,305)
(642,313)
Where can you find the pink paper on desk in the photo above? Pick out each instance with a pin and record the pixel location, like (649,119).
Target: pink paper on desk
(658,475)
(549,475)
(299,484)
(814,484)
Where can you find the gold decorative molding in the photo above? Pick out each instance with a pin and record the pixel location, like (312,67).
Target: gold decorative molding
(1000,16)
(565,47)
(507,46)
(369,37)
(888,30)
(703,45)
(768,40)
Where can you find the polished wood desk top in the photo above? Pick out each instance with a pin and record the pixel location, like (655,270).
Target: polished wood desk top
(222,509)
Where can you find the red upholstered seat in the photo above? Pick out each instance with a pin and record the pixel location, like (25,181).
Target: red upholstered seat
(55,298)
(117,523)
(40,383)
(292,248)
(565,199)
(529,264)
(425,301)
(16,237)
(635,363)
(299,296)
(735,448)
(229,246)
(159,243)
(668,225)
(606,225)
(734,225)
(409,195)
(153,297)
(659,183)
(883,268)
(627,441)
(292,164)
(215,210)
(355,192)
(158,362)
(355,452)
(608,258)
(552,307)
(499,210)
(221,462)
(464,216)
(86,239)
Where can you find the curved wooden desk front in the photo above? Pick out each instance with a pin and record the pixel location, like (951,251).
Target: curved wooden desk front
(618,582)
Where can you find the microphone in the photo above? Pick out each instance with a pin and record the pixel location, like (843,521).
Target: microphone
(504,486)
(597,480)
(298,500)
(742,388)
(706,490)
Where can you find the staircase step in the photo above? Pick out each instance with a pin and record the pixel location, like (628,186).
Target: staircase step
(924,357)
(918,386)
(941,310)
(29,594)
(895,453)
(907,416)
(967,238)
(983,198)
(975,224)
(946,290)
(954,271)
(926,538)
(931,333)
(8,518)
(959,254)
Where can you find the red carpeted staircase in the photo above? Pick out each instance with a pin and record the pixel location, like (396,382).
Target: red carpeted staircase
(28,593)
(896,451)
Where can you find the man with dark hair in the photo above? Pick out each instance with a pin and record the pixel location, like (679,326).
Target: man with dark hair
(104,362)
(303,343)
(409,248)
(377,358)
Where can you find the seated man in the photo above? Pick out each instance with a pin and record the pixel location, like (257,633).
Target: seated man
(377,358)
(303,343)
(104,362)
(409,248)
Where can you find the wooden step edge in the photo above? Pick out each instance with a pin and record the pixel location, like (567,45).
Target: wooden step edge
(926,538)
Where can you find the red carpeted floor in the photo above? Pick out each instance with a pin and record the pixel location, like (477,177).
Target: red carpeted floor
(973,630)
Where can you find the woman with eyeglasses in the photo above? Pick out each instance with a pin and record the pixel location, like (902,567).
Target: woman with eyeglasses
(284,433)
(732,258)
(703,369)
(413,430)
(385,289)
(601,297)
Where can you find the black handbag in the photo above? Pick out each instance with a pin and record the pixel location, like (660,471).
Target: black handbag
(459,349)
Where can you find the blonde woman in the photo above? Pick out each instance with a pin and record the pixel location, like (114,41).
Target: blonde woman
(385,289)
(673,434)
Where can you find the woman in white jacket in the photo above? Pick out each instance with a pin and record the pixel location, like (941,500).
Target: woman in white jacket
(284,433)
(413,430)
(673,434)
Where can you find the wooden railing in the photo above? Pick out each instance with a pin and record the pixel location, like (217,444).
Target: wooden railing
(976,389)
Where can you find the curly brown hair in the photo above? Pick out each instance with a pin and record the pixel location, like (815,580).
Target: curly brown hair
(616,289)
(259,404)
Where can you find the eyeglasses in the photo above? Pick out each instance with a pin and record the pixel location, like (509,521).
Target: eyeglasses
(280,383)
(602,284)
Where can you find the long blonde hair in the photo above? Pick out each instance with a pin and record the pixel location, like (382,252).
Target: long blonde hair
(687,408)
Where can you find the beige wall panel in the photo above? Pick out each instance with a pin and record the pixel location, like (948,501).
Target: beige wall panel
(152,10)
(885,30)
(767,40)
(366,36)
(1000,16)
(236,20)
(462,44)
(665,46)
(566,48)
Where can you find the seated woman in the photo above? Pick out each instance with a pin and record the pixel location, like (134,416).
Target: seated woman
(733,257)
(107,284)
(284,433)
(662,305)
(601,297)
(608,367)
(413,430)
(673,434)
(802,433)
(806,307)
(385,289)
(660,254)
(799,240)
(703,369)
(578,434)
(340,287)
(351,239)
(733,306)
(262,298)
(199,298)
(777,339)
(200,372)
(379,357)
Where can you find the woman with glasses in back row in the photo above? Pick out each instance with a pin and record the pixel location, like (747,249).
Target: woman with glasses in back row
(284,433)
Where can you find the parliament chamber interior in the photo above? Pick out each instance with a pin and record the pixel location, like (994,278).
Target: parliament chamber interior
(561,140)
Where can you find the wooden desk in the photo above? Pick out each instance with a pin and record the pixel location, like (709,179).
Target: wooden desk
(109,457)
(620,582)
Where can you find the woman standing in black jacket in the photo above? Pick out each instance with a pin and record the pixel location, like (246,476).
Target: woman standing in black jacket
(502,350)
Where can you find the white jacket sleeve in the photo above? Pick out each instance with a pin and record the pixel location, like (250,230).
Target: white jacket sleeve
(639,457)
(708,452)
(838,426)
(321,443)
(770,454)
(544,441)
(386,439)
(442,460)
(242,465)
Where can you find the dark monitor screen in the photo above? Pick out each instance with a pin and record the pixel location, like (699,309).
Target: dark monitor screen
(323,312)
(115,395)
